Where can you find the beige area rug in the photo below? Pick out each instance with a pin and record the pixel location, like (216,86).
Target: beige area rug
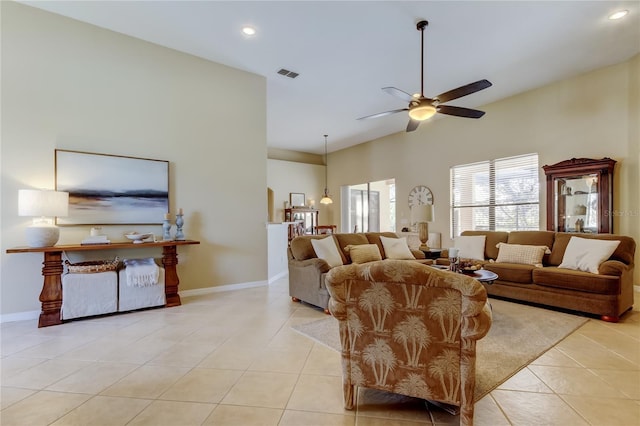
(518,335)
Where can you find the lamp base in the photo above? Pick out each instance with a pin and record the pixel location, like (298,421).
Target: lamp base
(42,235)
(423,235)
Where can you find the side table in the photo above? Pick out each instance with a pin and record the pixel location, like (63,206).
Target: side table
(432,253)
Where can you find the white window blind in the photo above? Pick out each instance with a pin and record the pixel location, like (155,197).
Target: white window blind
(496,195)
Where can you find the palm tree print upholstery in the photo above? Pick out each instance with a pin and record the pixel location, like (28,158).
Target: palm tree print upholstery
(410,329)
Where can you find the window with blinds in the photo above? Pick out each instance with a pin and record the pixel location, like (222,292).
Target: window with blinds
(496,195)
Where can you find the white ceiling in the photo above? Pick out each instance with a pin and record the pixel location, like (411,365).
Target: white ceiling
(346,51)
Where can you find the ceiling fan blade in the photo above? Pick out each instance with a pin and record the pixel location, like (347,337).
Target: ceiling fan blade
(412,125)
(398,94)
(460,111)
(382,114)
(463,91)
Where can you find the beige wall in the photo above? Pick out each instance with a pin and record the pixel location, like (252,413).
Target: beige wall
(593,115)
(284,177)
(70,85)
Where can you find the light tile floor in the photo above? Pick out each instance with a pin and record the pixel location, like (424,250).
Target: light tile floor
(231,358)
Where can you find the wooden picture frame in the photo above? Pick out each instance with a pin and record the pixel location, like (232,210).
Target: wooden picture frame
(112,189)
(297,199)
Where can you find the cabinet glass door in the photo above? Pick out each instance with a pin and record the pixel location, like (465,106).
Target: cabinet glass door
(576,204)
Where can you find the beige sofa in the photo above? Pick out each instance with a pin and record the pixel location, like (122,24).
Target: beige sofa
(400,322)
(607,294)
(307,272)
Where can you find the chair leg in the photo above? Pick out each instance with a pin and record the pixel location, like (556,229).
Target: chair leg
(608,318)
(349,393)
(466,415)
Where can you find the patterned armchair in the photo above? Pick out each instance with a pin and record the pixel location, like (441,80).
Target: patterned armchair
(410,329)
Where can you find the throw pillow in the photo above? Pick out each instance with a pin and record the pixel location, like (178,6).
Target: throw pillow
(363,253)
(327,250)
(521,253)
(586,254)
(396,248)
(470,246)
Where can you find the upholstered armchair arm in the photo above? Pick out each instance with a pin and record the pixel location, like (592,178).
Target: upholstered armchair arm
(476,327)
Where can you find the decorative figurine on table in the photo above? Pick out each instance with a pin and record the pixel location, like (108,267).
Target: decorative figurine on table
(453,259)
(179,225)
(166,228)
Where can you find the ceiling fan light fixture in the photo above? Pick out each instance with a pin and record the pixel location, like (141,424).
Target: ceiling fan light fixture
(248,30)
(422,112)
(618,15)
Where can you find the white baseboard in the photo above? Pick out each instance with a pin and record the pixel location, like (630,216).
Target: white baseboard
(19,316)
(218,289)
(278,276)
(30,315)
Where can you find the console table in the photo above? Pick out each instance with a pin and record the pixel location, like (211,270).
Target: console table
(51,294)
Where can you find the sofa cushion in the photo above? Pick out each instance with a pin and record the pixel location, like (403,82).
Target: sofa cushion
(344,240)
(301,248)
(624,252)
(568,279)
(583,254)
(534,238)
(521,254)
(396,248)
(363,253)
(374,238)
(327,250)
(493,238)
(470,246)
(512,272)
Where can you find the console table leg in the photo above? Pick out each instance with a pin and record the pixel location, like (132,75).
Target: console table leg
(51,294)
(171,281)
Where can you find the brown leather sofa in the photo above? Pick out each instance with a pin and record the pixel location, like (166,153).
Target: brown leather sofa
(307,272)
(607,294)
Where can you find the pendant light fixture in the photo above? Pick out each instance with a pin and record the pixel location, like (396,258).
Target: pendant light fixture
(326,199)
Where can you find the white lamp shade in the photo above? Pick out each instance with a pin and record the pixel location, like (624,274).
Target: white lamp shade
(34,203)
(422,213)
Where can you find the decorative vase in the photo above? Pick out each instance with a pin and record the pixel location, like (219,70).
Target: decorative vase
(166,230)
(179,224)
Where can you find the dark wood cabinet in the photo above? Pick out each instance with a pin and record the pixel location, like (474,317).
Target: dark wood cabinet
(580,195)
(302,221)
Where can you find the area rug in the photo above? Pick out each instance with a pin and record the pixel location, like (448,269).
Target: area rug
(519,334)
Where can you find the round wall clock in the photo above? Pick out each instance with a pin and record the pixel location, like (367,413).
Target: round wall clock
(420,195)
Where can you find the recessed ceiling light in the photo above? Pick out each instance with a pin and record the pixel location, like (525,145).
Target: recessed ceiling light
(619,14)
(248,31)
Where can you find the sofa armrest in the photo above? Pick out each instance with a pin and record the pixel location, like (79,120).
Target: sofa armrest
(320,264)
(418,254)
(612,267)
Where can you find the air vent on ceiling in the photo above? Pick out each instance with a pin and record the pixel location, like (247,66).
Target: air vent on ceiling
(288,73)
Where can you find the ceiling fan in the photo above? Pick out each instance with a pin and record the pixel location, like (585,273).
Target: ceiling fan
(421,108)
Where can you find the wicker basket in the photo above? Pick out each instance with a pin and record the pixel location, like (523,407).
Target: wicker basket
(93,266)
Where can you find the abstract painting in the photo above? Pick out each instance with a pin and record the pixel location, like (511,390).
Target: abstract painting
(111,189)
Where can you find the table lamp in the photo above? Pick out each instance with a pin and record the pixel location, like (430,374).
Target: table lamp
(42,205)
(422,214)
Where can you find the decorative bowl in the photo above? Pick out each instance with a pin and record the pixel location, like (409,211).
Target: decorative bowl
(136,237)
(469,271)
